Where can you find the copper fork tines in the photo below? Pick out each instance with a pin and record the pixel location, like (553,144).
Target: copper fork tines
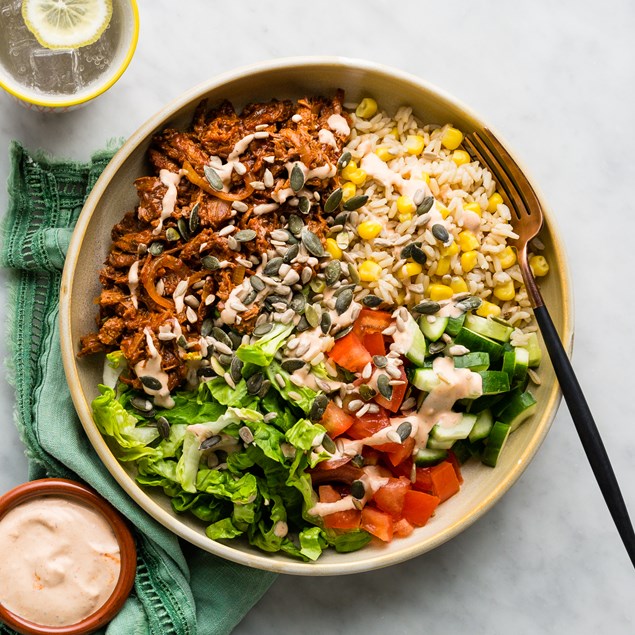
(518,195)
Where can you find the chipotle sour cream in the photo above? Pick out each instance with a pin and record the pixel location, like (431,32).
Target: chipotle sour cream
(59,561)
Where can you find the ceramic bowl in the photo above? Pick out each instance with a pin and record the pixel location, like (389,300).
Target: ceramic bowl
(114,194)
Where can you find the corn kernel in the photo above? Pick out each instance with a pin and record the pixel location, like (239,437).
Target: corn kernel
(426,177)
(505,291)
(438,292)
(405,205)
(452,138)
(467,240)
(414,144)
(451,250)
(473,207)
(468,260)
(411,269)
(351,167)
(458,285)
(358,176)
(395,132)
(404,217)
(443,266)
(369,229)
(494,201)
(507,258)
(348,190)
(539,265)
(333,248)
(444,211)
(366,108)
(369,271)
(460,157)
(384,153)
(488,309)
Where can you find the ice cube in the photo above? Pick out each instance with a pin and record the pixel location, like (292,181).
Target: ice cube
(55,71)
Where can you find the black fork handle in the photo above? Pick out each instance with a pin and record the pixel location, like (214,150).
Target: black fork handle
(587,430)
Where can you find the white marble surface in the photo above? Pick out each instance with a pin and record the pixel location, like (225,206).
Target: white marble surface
(558,79)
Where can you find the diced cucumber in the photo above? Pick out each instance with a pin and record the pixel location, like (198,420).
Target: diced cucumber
(476,342)
(474,361)
(482,403)
(425,379)
(482,427)
(433,330)
(427,456)
(518,410)
(455,324)
(495,382)
(462,450)
(495,443)
(410,342)
(435,444)
(488,327)
(459,431)
(534,350)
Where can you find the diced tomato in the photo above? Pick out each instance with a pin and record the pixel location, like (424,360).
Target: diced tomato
(368,424)
(349,519)
(402,528)
(349,353)
(374,343)
(398,393)
(444,481)
(333,464)
(371,456)
(403,451)
(335,420)
(418,507)
(456,465)
(346,473)
(377,523)
(371,321)
(423,480)
(328,494)
(390,497)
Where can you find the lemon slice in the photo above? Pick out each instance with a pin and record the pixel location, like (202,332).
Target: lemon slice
(67,24)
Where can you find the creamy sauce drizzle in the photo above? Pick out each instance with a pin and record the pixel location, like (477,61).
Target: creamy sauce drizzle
(59,561)
(170,180)
(152,368)
(327,137)
(133,283)
(338,124)
(378,170)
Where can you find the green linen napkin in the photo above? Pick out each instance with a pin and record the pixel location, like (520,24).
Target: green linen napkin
(178,589)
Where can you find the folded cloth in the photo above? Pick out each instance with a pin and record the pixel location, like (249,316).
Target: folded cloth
(178,589)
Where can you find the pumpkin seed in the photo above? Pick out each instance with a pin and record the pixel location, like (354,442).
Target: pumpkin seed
(304,205)
(302,325)
(256,283)
(217,366)
(163,427)
(384,387)
(312,243)
(297,178)
(332,272)
(250,297)
(367,392)
(344,160)
(343,333)
(262,329)
(141,404)
(313,314)
(291,254)
(210,442)
(404,430)
(318,407)
(353,274)
(358,490)
(436,347)
(380,361)
(328,444)
(207,326)
(245,235)
(295,224)
(298,303)
(225,360)
(343,301)
(210,262)
(406,252)
(264,389)
(219,335)
(325,323)
(172,235)
(317,285)
(440,232)
(372,301)
(195,219)
(156,248)
(470,303)
(418,255)
(343,240)
(333,201)
(151,382)
(291,365)
(182,342)
(427,307)
(355,203)
(254,383)
(425,205)
(213,178)
(236,339)
(358,460)
(342,218)
(184,229)
(236,369)
(205,371)
(273,266)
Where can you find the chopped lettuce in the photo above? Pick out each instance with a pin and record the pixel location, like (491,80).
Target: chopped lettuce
(263,351)
(307,395)
(305,435)
(114,365)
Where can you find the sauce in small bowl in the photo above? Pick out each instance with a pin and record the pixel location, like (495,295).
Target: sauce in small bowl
(67,559)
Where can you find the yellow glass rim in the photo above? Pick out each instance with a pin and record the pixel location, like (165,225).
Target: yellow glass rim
(97,91)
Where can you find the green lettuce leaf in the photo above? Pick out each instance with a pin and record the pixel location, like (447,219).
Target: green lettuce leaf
(304,434)
(350,541)
(312,542)
(223,393)
(114,365)
(262,352)
(222,529)
(307,395)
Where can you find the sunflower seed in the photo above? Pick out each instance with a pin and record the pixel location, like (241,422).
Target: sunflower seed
(172,235)
(534,377)
(246,434)
(195,221)
(263,329)
(273,266)
(328,445)
(236,368)
(469,304)
(358,490)
(418,255)
(343,332)
(440,232)
(302,325)
(355,203)
(141,404)
(280,234)
(211,263)
(325,323)
(333,201)
(355,405)
(343,301)
(384,387)
(372,301)
(298,303)
(151,382)
(239,206)
(213,178)
(304,205)
(404,430)
(427,307)
(295,224)
(156,248)
(366,392)
(254,383)
(291,365)
(425,205)
(332,272)
(318,407)
(312,243)
(163,427)
(210,442)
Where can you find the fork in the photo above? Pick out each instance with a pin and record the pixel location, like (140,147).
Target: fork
(527,218)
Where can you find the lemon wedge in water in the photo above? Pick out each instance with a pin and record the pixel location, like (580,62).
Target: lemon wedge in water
(67,24)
